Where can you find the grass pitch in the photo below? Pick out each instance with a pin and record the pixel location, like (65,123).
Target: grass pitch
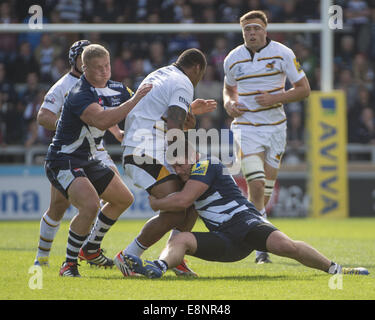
(349,242)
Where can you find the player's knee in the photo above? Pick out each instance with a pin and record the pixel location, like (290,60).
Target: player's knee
(184,240)
(126,201)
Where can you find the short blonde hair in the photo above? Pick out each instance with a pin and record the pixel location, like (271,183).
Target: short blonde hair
(93,51)
(255,14)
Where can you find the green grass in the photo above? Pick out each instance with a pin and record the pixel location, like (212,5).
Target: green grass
(348,241)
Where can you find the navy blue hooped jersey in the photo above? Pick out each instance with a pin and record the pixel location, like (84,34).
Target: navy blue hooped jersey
(223,199)
(74,139)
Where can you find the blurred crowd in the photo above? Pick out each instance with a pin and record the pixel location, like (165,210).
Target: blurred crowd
(31,62)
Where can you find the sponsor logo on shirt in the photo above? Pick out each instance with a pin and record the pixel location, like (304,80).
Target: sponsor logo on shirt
(183,100)
(200,168)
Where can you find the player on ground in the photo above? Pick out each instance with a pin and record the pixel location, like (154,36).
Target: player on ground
(93,105)
(144,141)
(48,116)
(253,94)
(236,228)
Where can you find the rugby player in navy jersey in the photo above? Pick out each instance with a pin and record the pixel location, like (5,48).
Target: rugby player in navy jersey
(236,227)
(48,116)
(94,104)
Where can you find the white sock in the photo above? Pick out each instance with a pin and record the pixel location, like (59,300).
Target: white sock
(173,233)
(264,216)
(48,230)
(334,268)
(135,248)
(263,213)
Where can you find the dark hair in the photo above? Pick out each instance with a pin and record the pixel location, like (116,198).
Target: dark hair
(255,14)
(192,57)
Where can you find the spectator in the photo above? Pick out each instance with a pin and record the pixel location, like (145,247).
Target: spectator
(362,71)
(31,90)
(6,87)
(23,64)
(122,65)
(345,54)
(364,129)
(346,83)
(106,11)
(8,41)
(138,72)
(46,53)
(70,10)
(12,115)
(210,88)
(59,68)
(156,58)
(230,11)
(218,55)
(35,134)
(181,42)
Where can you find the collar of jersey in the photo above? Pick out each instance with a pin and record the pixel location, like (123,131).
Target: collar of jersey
(268,40)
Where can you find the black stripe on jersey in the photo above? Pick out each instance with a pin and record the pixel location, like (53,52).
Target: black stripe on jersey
(240,61)
(260,75)
(269,58)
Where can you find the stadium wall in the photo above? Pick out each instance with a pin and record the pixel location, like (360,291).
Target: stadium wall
(25,195)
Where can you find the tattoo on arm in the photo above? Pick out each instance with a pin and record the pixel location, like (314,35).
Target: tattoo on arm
(176,117)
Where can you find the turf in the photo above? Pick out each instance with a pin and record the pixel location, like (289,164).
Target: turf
(348,241)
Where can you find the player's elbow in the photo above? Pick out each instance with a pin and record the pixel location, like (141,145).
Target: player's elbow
(306,92)
(46,119)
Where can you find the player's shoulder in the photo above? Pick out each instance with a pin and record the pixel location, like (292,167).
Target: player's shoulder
(179,77)
(64,84)
(280,48)
(81,91)
(204,165)
(236,53)
(120,87)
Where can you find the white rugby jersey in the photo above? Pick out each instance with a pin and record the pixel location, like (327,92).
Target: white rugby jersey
(144,125)
(266,70)
(54,99)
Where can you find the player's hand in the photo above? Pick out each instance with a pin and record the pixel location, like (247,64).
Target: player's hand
(142,91)
(266,99)
(232,108)
(202,106)
(119,135)
(190,121)
(152,200)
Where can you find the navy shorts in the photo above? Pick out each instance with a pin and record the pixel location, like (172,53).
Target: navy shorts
(62,173)
(235,239)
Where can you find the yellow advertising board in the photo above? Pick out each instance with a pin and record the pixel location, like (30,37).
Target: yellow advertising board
(327,158)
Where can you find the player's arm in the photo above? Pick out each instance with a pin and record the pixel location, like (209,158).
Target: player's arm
(117,132)
(47,119)
(176,118)
(94,115)
(230,100)
(301,90)
(178,201)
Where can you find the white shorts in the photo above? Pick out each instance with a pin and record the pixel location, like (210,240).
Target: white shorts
(271,143)
(146,175)
(104,157)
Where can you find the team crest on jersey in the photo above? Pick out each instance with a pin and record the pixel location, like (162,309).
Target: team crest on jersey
(200,168)
(270,65)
